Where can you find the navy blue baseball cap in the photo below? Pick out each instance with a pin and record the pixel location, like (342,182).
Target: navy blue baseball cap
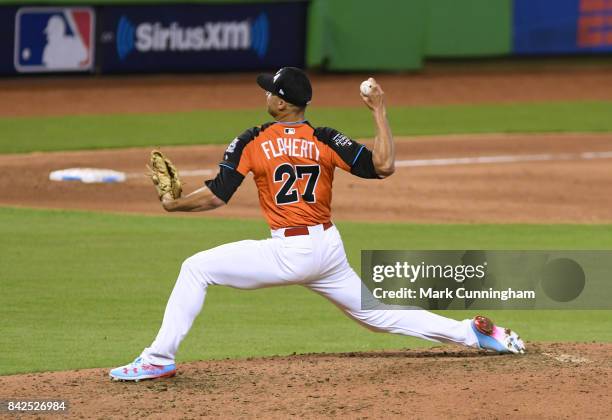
(289,83)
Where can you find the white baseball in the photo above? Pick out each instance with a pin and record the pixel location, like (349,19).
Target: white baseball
(365,88)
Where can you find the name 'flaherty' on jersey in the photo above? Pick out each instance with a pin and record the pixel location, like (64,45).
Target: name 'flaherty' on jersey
(287,146)
(293,166)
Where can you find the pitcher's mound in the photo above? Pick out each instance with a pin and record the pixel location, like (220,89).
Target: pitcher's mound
(551,381)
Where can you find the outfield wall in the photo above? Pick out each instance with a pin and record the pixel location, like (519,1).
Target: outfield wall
(562,26)
(115,36)
(468,28)
(392,35)
(357,35)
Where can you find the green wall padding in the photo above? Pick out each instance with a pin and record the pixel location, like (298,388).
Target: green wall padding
(345,35)
(366,35)
(463,28)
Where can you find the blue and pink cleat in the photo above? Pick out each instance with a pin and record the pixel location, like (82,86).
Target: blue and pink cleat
(139,370)
(492,337)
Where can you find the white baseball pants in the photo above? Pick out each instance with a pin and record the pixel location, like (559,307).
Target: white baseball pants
(316,261)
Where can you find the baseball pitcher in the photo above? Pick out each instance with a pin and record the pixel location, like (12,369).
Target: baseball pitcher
(293,165)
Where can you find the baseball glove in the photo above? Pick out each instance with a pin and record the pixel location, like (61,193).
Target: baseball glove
(164,175)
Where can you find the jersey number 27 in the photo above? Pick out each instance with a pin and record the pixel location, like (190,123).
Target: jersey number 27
(288,174)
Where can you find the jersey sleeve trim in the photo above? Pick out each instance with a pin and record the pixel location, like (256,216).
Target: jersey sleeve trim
(227,166)
(364,165)
(358,153)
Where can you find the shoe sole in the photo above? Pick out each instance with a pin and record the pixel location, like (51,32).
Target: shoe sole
(143,378)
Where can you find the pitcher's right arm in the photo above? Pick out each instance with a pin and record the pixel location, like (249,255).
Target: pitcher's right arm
(383,152)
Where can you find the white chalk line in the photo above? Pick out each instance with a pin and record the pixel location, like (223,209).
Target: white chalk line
(195,172)
(470,160)
(476,160)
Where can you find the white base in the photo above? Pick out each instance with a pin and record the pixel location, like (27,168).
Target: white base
(88,175)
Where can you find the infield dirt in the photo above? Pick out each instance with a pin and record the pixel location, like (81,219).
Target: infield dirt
(561,188)
(551,381)
(434,86)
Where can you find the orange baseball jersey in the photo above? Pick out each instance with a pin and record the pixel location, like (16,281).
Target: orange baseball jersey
(293,166)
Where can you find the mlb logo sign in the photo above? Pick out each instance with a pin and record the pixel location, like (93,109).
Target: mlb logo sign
(54,39)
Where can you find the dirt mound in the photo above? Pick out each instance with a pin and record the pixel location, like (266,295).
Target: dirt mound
(551,381)
(506,178)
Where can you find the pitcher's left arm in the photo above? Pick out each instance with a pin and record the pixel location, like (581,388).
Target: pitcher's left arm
(201,199)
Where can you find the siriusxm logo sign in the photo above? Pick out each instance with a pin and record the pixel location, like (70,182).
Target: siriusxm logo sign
(210,36)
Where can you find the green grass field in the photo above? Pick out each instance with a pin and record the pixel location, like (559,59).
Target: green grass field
(26,134)
(83,289)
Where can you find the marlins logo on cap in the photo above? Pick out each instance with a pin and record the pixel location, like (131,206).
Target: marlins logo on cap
(289,83)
